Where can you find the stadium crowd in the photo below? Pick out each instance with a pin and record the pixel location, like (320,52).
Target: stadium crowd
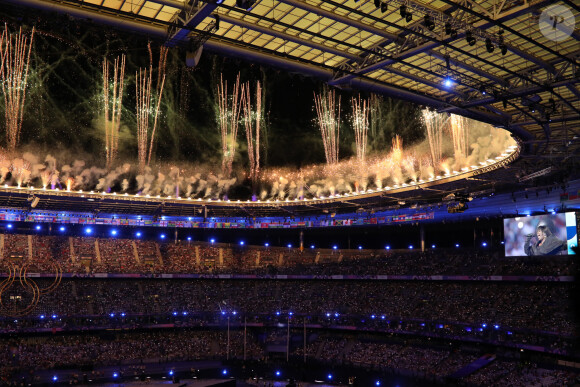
(110,255)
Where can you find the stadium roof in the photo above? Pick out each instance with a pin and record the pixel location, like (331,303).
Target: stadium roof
(527,69)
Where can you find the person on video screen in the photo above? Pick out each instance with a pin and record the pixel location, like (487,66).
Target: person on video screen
(546,242)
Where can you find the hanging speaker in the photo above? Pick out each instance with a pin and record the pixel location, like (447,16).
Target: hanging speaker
(192,57)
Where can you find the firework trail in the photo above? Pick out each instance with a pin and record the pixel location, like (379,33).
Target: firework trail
(229,109)
(113,122)
(328,111)
(252,131)
(14,63)
(360,123)
(434,122)
(397,150)
(460,133)
(144,112)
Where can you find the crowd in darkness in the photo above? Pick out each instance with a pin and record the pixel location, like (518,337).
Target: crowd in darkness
(126,350)
(84,255)
(512,314)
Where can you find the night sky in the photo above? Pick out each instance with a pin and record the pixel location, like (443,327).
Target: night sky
(65,93)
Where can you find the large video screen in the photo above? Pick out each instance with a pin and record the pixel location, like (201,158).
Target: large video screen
(549,234)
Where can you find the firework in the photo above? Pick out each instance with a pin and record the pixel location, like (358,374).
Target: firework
(114,104)
(144,113)
(360,123)
(397,150)
(229,108)
(14,63)
(328,111)
(434,122)
(252,131)
(459,131)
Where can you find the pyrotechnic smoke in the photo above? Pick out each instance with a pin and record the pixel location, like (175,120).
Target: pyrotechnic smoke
(328,112)
(14,63)
(228,112)
(113,102)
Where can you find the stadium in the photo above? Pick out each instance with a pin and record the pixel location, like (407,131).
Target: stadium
(289,192)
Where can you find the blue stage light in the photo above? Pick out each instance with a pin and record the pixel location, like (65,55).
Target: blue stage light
(138,234)
(54,316)
(38,227)
(8,226)
(241,243)
(278,373)
(162,236)
(496,326)
(336,315)
(484,325)
(383,317)
(234,312)
(277,313)
(112,315)
(290,313)
(448,82)
(171,373)
(327,314)
(42,317)
(123,314)
(387,247)
(54,378)
(88,230)
(184,313)
(289,246)
(373,316)
(468,329)
(484,244)
(62,229)
(224,371)
(432,246)
(457,245)
(113,232)
(335,247)
(212,240)
(115,374)
(329,376)
(378,383)
(360,247)
(175,313)
(266,244)
(311,246)
(410,247)
(189,238)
